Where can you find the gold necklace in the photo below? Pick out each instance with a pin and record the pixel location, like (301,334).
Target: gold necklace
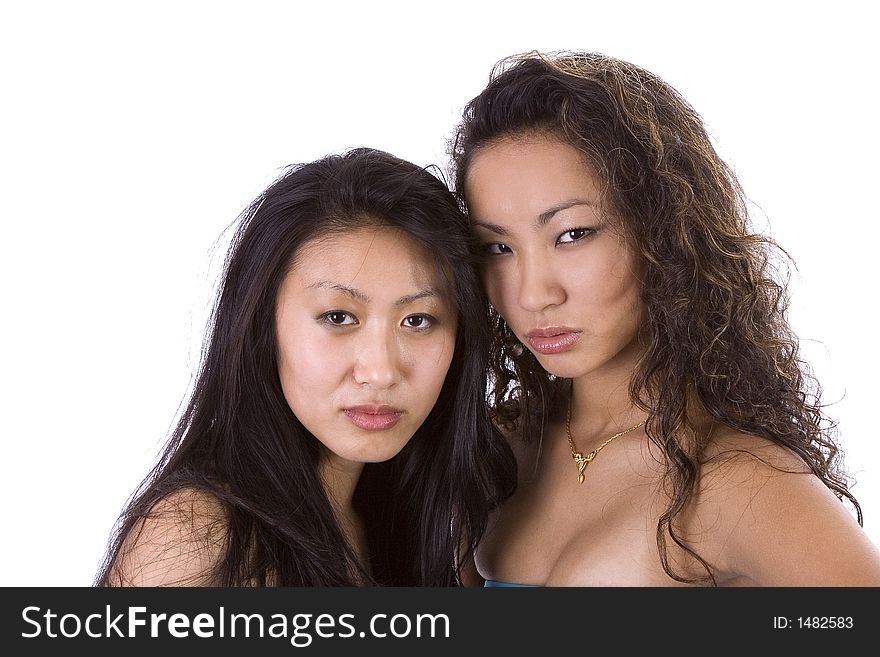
(581,460)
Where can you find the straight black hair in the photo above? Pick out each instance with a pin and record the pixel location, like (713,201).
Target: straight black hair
(238,441)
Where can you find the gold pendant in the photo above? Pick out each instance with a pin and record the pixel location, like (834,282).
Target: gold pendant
(582,463)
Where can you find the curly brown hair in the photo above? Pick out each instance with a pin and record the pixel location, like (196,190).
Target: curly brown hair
(714,293)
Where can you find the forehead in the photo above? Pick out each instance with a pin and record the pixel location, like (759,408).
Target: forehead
(376,259)
(528,174)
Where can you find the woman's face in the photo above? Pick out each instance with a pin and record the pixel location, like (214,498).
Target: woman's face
(365,338)
(555,266)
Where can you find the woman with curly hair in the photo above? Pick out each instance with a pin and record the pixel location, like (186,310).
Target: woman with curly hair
(666,430)
(337,433)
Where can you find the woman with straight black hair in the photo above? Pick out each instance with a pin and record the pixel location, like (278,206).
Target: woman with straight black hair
(337,433)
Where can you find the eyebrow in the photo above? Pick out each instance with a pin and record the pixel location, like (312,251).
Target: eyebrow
(541,219)
(354,293)
(428,293)
(547,214)
(344,289)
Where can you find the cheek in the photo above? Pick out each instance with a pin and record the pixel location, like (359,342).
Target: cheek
(623,282)
(609,293)
(430,364)
(306,365)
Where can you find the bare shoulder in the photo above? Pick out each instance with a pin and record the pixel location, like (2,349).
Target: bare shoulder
(765,519)
(738,464)
(176,544)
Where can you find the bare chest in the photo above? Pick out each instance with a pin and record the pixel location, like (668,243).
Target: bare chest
(557,532)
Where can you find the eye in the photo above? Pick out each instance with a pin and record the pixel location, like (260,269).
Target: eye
(339,318)
(496,248)
(573,235)
(418,322)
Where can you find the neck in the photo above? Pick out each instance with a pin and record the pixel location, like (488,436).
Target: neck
(601,404)
(340,478)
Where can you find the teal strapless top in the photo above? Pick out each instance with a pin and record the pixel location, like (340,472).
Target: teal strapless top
(493,582)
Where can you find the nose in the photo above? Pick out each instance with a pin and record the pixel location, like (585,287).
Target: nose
(539,285)
(377,361)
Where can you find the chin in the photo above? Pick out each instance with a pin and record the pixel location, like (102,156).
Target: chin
(379,454)
(563,366)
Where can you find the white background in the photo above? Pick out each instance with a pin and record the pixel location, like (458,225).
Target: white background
(131,136)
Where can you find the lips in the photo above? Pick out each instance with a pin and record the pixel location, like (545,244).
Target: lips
(373,418)
(553,339)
